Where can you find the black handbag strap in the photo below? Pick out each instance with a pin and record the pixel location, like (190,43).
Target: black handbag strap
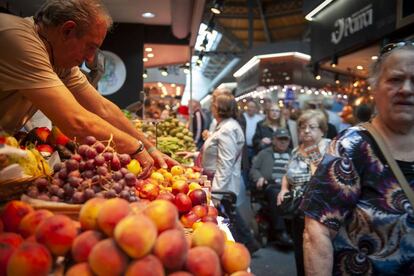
(391,161)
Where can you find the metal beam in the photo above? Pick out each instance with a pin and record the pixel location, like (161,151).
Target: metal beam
(251,30)
(265,27)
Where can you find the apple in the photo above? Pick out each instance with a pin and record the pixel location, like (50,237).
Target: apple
(166,195)
(200,210)
(183,203)
(45,150)
(209,219)
(198,197)
(189,219)
(149,191)
(180,186)
(212,211)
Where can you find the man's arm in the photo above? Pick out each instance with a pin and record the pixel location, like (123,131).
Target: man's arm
(317,248)
(59,105)
(91,100)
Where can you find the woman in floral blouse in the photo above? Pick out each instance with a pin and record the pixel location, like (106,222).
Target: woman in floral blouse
(358,219)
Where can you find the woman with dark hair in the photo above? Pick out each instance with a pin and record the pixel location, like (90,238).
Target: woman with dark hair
(220,158)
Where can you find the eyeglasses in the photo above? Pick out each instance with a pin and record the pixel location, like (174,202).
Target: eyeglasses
(389,47)
(311,127)
(275,110)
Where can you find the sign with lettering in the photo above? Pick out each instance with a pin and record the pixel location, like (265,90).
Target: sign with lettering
(346,24)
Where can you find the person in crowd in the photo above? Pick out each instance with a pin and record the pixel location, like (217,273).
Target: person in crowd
(291,126)
(363,112)
(312,126)
(39,70)
(262,137)
(198,123)
(251,117)
(268,168)
(358,218)
(220,158)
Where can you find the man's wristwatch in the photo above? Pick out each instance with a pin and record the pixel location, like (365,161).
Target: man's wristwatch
(139,149)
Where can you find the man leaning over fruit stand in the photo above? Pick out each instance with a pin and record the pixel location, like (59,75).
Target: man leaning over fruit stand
(39,70)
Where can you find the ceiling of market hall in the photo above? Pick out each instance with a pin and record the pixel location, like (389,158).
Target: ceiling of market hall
(272,21)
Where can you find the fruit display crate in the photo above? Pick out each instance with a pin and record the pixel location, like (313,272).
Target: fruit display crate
(70,210)
(14,188)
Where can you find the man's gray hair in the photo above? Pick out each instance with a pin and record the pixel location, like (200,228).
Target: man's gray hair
(82,12)
(376,67)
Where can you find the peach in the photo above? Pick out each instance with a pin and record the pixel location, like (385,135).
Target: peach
(163,213)
(112,211)
(183,203)
(81,269)
(139,206)
(189,219)
(6,250)
(181,273)
(171,248)
(136,235)
(209,234)
(149,191)
(166,195)
(11,238)
(106,259)
(212,219)
(235,257)
(242,273)
(200,210)
(13,213)
(212,211)
(29,223)
(202,260)
(83,244)
(57,234)
(147,266)
(30,258)
(88,214)
(180,186)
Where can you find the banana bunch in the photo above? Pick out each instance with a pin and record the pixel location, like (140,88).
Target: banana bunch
(30,160)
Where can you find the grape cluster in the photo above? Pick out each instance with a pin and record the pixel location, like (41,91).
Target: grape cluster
(94,171)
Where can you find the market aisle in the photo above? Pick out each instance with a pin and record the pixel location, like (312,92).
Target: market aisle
(269,261)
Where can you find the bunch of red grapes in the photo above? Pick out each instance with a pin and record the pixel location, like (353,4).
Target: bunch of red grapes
(94,171)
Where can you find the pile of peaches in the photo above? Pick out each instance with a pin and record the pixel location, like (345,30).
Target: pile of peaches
(115,237)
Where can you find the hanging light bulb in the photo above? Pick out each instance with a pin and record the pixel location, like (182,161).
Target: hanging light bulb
(164,71)
(203,45)
(145,74)
(217,7)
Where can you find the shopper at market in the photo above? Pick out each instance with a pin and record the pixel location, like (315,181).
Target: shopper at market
(251,118)
(264,130)
(198,123)
(267,171)
(39,70)
(312,126)
(358,218)
(220,158)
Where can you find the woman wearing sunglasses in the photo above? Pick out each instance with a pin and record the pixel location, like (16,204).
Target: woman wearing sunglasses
(359,220)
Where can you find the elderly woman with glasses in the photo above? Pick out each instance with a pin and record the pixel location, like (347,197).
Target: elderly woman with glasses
(312,127)
(359,220)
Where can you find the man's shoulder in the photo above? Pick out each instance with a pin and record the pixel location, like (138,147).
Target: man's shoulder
(12,22)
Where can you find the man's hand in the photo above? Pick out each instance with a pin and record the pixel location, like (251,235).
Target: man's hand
(146,162)
(281,195)
(163,160)
(266,141)
(260,183)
